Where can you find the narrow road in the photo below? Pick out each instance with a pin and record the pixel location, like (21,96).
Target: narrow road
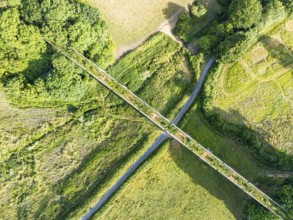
(172,130)
(125,176)
(163,137)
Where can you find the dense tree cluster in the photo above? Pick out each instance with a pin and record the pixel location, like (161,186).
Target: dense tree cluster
(244,13)
(31,67)
(229,36)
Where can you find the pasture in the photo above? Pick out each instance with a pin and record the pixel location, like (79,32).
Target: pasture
(132,21)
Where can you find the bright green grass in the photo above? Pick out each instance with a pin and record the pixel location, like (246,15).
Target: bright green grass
(175,184)
(264,102)
(236,78)
(57,173)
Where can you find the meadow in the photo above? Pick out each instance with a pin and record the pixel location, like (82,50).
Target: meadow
(255,94)
(78,149)
(176,184)
(131,22)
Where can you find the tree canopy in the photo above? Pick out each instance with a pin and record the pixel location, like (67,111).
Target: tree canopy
(20,44)
(31,68)
(245,13)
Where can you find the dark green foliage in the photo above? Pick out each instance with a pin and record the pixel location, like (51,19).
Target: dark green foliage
(274,10)
(183,27)
(20,44)
(245,13)
(232,48)
(233,30)
(68,23)
(286,197)
(258,212)
(283,196)
(224,3)
(289,5)
(197,19)
(30,69)
(207,42)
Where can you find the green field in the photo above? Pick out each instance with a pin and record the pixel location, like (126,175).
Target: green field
(176,184)
(163,75)
(256,92)
(65,139)
(131,22)
(78,150)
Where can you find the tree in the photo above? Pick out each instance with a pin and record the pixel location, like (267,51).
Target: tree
(198,10)
(207,42)
(30,69)
(70,23)
(274,10)
(257,212)
(19,43)
(245,13)
(285,197)
(289,5)
(31,11)
(232,48)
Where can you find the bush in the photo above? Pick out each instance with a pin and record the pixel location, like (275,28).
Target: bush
(245,13)
(232,48)
(207,42)
(198,10)
(182,27)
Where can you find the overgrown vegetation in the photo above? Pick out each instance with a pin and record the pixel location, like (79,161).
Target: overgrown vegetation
(81,134)
(241,99)
(187,180)
(283,195)
(50,176)
(230,33)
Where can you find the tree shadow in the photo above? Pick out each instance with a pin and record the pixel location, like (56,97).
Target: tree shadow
(278,50)
(202,174)
(172,13)
(216,184)
(269,156)
(171,9)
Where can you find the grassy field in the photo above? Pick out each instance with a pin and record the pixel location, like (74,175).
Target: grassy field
(64,155)
(47,178)
(130,22)
(256,91)
(175,184)
(161,73)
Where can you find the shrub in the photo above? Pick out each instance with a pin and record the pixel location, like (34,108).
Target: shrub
(245,13)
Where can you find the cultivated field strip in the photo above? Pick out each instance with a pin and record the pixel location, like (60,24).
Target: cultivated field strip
(172,130)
